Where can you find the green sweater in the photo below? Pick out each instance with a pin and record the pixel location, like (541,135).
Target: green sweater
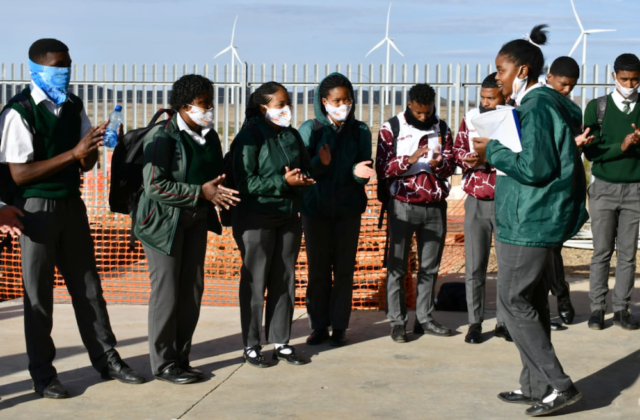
(610,163)
(203,160)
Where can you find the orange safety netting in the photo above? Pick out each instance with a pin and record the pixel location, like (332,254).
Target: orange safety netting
(124,271)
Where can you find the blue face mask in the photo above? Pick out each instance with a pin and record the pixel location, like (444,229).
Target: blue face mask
(54,81)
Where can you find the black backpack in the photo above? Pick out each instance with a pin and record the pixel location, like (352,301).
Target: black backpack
(127,163)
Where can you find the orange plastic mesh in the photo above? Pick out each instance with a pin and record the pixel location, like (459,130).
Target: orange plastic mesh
(124,271)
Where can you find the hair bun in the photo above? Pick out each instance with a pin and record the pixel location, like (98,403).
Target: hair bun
(539,34)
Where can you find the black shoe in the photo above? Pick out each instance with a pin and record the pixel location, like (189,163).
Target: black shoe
(555,326)
(50,388)
(474,335)
(563,399)
(338,338)
(516,398)
(433,328)
(625,320)
(177,376)
(502,332)
(318,336)
(195,372)
(596,322)
(259,361)
(290,358)
(398,334)
(417,328)
(566,311)
(118,369)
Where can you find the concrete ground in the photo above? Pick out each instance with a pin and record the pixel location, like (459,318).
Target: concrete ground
(427,378)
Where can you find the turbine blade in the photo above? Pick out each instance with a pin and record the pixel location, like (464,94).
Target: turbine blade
(395,48)
(235,54)
(222,52)
(376,47)
(576,44)
(595,31)
(233,31)
(388,16)
(577,17)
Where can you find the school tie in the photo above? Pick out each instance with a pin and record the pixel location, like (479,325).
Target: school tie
(627,108)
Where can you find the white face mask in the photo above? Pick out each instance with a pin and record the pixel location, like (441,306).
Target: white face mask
(338,113)
(518,87)
(624,91)
(279,116)
(203,118)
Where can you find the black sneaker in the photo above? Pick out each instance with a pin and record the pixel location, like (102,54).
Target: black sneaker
(398,334)
(625,320)
(502,332)
(554,401)
(596,322)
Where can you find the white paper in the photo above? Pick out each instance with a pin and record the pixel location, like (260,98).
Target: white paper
(501,125)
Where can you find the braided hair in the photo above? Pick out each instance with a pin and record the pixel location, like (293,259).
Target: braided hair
(522,52)
(331,82)
(262,96)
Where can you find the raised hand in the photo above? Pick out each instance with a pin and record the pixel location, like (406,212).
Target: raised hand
(480,145)
(90,142)
(421,152)
(364,170)
(475,160)
(584,138)
(325,155)
(219,195)
(295,178)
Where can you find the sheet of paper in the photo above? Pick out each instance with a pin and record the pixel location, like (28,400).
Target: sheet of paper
(502,125)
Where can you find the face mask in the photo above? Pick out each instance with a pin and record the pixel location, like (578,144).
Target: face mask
(339,113)
(518,86)
(201,117)
(624,91)
(279,116)
(54,81)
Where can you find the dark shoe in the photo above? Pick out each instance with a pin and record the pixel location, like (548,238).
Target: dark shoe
(596,322)
(557,327)
(50,388)
(259,361)
(338,338)
(290,358)
(318,337)
(398,334)
(177,376)
(566,311)
(502,332)
(474,335)
(514,397)
(417,328)
(625,320)
(195,372)
(562,399)
(434,328)
(118,369)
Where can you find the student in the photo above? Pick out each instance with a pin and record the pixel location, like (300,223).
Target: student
(340,150)
(270,167)
(46,150)
(478,182)
(416,162)
(540,204)
(181,177)
(614,194)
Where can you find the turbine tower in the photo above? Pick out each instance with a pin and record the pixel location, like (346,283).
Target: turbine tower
(583,37)
(234,56)
(390,44)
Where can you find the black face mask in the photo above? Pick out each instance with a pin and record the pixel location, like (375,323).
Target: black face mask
(424,126)
(483,109)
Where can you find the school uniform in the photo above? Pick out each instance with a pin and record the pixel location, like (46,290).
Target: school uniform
(56,232)
(539,205)
(172,222)
(267,227)
(418,205)
(331,214)
(479,219)
(614,199)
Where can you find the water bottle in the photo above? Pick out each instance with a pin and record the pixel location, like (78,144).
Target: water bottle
(111,135)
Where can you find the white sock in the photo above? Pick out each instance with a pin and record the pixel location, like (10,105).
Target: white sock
(285,351)
(518,391)
(551,397)
(252,354)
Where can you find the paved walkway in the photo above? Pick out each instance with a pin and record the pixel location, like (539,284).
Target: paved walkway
(427,378)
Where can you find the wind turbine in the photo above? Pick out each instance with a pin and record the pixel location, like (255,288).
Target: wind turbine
(234,55)
(583,37)
(390,44)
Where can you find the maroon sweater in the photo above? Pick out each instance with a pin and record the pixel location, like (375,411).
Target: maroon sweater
(478,183)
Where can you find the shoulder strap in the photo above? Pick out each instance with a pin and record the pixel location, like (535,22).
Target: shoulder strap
(602,109)
(394,122)
(76,102)
(23,100)
(443,129)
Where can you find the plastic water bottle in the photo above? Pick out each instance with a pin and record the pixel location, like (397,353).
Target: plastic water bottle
(111,135)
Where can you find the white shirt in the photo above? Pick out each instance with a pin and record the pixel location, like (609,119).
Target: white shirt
(199,138)
(16,139)
(618,98)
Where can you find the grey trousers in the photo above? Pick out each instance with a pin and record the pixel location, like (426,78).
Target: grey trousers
(332,245)
(269,256)
(57,234)
(615,213)
(479,227)
(524,298)
(429,223)
(177,284)
(554,275)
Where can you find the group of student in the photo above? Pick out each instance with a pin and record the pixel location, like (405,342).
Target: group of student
(277,182)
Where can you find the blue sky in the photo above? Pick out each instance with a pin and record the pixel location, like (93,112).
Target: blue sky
(309,31)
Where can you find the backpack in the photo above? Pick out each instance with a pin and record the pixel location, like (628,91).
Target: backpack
(127,163)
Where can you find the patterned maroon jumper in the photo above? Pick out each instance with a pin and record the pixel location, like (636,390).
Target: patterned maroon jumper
(479,183)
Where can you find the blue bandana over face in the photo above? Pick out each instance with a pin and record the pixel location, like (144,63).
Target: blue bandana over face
(54,81)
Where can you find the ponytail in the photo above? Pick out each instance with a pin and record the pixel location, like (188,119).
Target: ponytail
(527,52)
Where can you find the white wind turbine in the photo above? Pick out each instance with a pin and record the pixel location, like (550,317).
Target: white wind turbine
(583,37)
(390,44)
(234,55)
